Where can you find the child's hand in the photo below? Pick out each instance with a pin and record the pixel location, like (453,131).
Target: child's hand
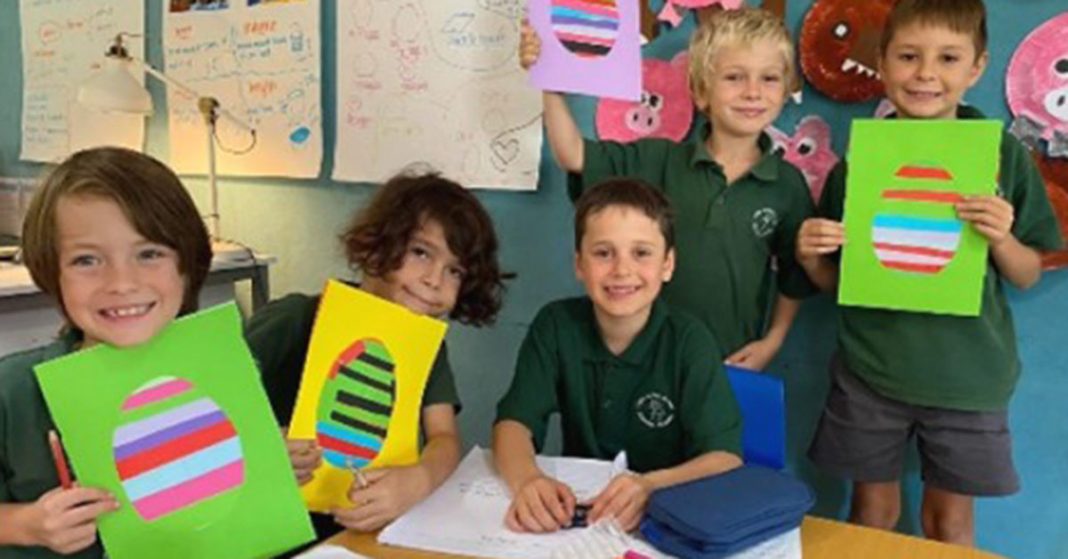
(991,216)
(390,492)
(624,499)
(64,520)
(755,355)
(819,236)
(542,504)
(305,456)
(529,46)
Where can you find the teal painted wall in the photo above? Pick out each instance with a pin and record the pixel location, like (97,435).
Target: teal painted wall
(298,220)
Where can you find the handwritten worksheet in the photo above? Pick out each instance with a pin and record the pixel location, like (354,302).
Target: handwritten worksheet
(435,82)
(63,44)
(261,61)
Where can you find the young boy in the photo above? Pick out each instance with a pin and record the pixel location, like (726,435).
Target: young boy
(947,379)
(423,242)
(738,203)
(623,371)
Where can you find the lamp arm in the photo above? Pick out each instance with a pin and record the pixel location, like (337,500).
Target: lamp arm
(209,106)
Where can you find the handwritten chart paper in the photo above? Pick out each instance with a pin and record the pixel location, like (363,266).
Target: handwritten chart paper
(261,61)
(63,43)
(180,431)
(435,82)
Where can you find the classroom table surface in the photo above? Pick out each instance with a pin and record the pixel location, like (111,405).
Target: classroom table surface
(820,539)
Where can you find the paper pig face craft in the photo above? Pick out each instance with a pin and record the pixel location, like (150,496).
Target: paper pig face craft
(839,46)
(665,109)
(672,14)
(1037,87)
(809,149)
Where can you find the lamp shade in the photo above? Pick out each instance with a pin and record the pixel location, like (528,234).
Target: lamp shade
(114,89)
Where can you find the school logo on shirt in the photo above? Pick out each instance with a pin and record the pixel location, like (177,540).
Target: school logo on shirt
(655,410)
(765,220)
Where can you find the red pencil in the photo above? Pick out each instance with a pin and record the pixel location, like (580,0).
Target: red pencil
(61,463)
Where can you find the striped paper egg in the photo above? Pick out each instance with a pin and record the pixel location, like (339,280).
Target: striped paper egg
(587,28)
(355,405)
(912,243)
(175,448)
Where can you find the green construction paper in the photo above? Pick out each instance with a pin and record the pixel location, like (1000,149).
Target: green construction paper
(969,151)
(261,516)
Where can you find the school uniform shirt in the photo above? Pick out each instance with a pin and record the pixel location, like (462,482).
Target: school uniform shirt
(962,363)
(725,236)
(278,336)
(664,400)
(27,470)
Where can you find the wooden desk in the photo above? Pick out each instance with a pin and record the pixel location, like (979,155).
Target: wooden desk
(820,539)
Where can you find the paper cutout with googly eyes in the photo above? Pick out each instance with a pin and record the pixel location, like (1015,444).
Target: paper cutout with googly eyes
(664,111)
(809,149)
(1036,85)
(839,44)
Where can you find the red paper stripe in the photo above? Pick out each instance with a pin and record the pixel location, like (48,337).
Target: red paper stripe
(330,443)
(918,172)
(924,196)
(912,267)
(172,450)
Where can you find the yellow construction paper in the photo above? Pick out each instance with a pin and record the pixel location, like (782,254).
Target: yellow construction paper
(350,401)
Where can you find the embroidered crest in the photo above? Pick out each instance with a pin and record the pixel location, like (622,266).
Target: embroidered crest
(765,220)
(655,410)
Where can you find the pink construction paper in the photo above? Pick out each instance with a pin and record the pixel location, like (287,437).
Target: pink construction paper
(616,74)
(671,14)
(810,150)
(664,111)
(1036,84)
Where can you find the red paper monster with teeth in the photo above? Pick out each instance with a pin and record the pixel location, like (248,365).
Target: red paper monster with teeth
(839,46)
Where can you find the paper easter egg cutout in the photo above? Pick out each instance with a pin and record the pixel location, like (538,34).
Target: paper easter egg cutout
(175,448)
(586,28)
(355,405)
(908,239)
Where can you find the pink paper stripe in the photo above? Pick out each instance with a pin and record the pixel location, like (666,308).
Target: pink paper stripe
(156,393)
(587,7)
(192,491)
(586,39)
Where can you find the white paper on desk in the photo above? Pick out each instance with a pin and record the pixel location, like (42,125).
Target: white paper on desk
(330,552)
(465,516)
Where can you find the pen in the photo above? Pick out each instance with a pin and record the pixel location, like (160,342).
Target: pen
(61,463)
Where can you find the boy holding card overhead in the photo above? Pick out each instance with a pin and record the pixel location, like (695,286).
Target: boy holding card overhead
(948,379)
(739,204)
(423,242)
(623,370)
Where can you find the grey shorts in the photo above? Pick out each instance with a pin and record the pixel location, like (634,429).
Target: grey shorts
(863,436)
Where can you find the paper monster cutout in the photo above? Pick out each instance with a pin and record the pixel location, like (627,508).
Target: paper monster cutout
(1055,174)
(665,109)
(672,15)
(809,149)
(839,46)
(1036,85)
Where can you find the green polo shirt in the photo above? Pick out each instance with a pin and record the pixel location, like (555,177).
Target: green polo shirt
(26,467)
(725,237)
(964,363)
(278,336)
(664,400)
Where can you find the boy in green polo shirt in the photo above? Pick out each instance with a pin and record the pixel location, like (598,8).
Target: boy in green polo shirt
(739,204)
(623,371)
(947,379)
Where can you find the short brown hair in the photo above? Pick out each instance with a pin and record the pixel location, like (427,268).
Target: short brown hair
(628,193)
(960,16)
(151,197)
(727,28)
(377,239)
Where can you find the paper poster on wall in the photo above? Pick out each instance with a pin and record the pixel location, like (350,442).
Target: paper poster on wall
(907,249)
(63,43)
(180,431)
(362,389)
(426,81)
(261,61)
(590,47)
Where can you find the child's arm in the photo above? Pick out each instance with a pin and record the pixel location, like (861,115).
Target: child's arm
(391,492)
(627,494)
(539,503)
(63,520)
(565,140)
(756,355)
(993,217)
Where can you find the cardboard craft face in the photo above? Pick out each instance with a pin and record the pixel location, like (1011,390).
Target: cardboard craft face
(810,150)
(1036,85)
(664,111)
(839,46)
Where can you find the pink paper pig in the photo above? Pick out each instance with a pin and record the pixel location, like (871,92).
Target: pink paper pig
(809,149)
(665,110)
(672,15)
(1037,86)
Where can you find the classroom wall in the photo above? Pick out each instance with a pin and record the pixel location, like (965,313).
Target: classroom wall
(297,221)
